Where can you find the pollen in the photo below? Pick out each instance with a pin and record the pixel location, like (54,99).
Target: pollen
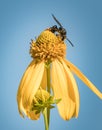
(47,47)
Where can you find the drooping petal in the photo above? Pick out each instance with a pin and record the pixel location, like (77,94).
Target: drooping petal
(34,83)
(72,88)
(32,115)
(44,80)
(84,78)
(29,113)
(29,84)
(24,80)
(59,85)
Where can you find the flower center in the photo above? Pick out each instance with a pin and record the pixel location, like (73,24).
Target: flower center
(47,47)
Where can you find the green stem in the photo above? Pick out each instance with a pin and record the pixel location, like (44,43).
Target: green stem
(45,119)
(48,89)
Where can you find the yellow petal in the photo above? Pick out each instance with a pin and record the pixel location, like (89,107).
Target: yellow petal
(24,80)
(44,80)
(59,84)
(34,83)
(84,78)
(29,84)
(72,88)
(31,115)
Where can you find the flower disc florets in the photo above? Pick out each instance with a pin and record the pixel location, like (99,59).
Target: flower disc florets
(47,47)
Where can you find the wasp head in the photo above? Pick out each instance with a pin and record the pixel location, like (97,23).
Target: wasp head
(59,31)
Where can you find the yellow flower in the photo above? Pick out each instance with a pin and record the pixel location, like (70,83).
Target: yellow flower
(50,50)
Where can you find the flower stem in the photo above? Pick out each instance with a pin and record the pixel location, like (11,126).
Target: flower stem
(45,119)
(48,89)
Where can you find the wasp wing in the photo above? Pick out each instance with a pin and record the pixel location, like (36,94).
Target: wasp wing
(57,21)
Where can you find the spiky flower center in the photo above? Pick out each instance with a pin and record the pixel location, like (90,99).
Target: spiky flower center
(47,47)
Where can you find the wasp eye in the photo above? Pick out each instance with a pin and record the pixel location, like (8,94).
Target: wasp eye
(55,26)
(60,28)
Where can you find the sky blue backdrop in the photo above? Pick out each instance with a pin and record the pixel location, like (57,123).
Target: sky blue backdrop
(21,21)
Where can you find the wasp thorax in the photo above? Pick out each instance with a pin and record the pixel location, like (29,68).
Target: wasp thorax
(47,47)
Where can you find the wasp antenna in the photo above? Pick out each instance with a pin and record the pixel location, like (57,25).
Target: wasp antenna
(70,42)
(56,20)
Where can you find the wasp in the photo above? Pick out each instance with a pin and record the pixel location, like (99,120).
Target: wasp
(59,31)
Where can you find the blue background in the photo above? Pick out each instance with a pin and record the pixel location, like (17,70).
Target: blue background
(23,20)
